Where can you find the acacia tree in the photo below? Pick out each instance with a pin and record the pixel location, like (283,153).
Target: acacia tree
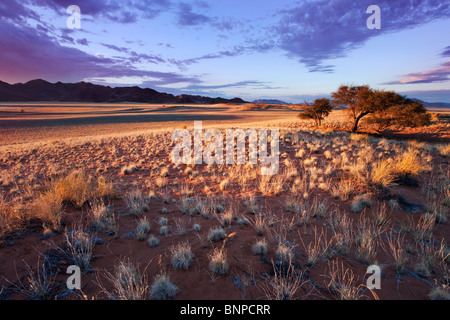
(359,101)
(407,114)
(317,111)
(386,105)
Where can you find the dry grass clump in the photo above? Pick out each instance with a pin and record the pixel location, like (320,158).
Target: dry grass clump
(360,202)
(218,261)
(79,248)
(284,254)
(259,248)
(103,219)
(128,282)
(216,234)
(182,255)
(441,292)
(49,209)
(408,164)
(136,203)
(443,149)
(77,188)
(342,190)
(343,283)
(283,285)
(142,229)
(398,253)
(40,283)
(11,219)
(317,249)
(162,288)
(377,177)
(153,241)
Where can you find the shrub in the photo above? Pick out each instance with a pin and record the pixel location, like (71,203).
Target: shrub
(218,261)
(360,202)
(103,218)
(153,241)
(182,256)
(259,248)
(216,234)
(136,203)
(318,111)
(128,282)
(80,246)
(142,229)
(49,209)
(162,288)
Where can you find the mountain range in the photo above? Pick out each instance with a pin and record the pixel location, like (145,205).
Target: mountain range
(41,90)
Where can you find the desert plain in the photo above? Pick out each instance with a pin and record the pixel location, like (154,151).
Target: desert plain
(93,185)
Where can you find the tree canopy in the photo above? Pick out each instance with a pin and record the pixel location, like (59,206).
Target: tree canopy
(317,111)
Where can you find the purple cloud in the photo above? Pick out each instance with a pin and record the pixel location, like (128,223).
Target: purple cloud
(316,31)
(446,52)
(188,18)
(28,53)
(114,10)
(439,74)
(241,84)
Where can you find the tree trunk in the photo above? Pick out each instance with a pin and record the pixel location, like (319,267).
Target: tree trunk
(356,121)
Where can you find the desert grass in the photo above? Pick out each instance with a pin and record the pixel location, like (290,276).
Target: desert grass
(216,234)
(441,292)
(79,248)
(343,283)
(163,288)
(142,229)
(50,210)
(283,285)
(12,220)
(128,282)
(398,252)
(40,283)
(260,247)
(182,255)
(218,261)
(102,217)
(316,249)
(136,203)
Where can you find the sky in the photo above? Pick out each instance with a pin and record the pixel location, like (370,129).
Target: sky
(266,49)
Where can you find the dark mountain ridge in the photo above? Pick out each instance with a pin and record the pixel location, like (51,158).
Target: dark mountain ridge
(41,90)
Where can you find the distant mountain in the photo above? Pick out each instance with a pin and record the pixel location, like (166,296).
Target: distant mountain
(433,104)
(268,101)
(41,90)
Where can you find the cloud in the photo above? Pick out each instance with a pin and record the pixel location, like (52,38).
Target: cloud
(446,52)
(114,10)
(28,53)
(187,18)
(134,57)
(440,74)
(241,84)
(316,31)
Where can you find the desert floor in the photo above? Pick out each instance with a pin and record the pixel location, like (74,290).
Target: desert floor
(94,185)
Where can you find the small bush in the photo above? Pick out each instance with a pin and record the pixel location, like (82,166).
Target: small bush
(182,256)
(128,282)
(162,288)
(80,246)
(153,241)
(259,248)
(216,235)
(142,229)
(360,202)
(218,261)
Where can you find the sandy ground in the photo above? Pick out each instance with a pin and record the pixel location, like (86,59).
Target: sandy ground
(102,139)
(56,121)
